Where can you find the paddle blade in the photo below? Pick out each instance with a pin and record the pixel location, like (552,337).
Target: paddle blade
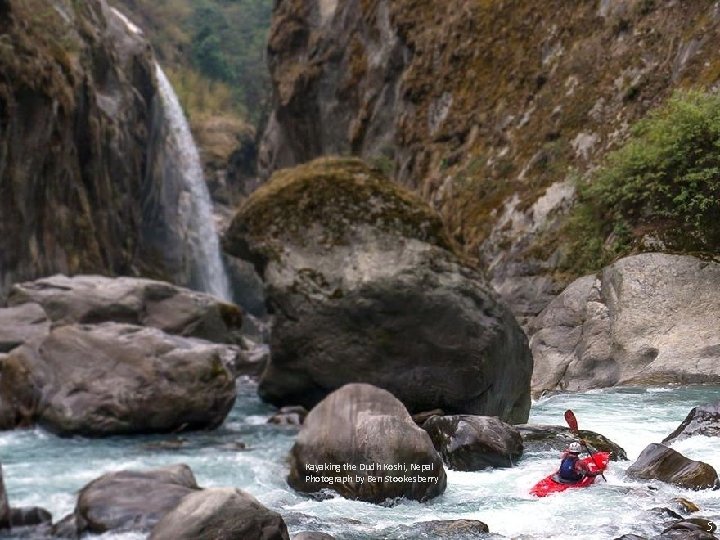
(571,420)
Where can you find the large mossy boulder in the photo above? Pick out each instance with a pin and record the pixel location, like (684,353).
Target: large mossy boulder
(473,443)
(361,442)
(658,462)
(112,378)
(629,325)
(220,513)
(143,302)
(702,420)
(132,500)
(365,287)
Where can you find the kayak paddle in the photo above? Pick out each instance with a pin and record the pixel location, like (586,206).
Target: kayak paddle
(573,425)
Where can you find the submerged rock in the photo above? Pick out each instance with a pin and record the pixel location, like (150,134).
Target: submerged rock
(365,287)
(115,378)
(220,513)
(629,325)
(702,420)
(539,438)
(369,430)
(143,302)
(132,500)
(313,536)
(658,462)
(473,443)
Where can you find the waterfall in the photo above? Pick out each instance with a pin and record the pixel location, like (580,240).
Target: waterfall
(194,220)
(178,224)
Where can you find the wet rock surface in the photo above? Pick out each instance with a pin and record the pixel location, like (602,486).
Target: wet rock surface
(701,420)
(658,462)
(538,437)
(220,513)
(359,425)
(473,443)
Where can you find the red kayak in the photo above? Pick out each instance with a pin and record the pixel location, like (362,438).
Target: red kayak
(549,485)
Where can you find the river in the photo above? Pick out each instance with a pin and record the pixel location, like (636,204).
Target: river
(41,469)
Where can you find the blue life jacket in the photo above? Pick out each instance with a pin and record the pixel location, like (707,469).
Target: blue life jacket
(567,469)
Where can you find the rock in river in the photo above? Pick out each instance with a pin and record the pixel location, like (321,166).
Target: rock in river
(701,420)
(115,378)
(473,443)
(132,500)
(370,430)
(366,287)
(220,513)
(540,438)
(658,462)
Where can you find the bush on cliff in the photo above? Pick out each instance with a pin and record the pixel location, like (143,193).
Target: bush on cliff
(660,190)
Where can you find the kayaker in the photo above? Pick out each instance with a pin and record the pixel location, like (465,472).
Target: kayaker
(573,470)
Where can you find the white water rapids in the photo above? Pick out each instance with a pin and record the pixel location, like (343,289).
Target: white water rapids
(41,469)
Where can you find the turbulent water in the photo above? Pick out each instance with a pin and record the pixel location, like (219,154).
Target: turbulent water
(41,469)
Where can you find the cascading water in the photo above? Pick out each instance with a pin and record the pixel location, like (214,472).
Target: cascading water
(195,223)
(179,227)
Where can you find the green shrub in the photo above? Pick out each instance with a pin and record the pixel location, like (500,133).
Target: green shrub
(664,183)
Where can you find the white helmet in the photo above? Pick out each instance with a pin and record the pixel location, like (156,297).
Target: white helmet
(574,448)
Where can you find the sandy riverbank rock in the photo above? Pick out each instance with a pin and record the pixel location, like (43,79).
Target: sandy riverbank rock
(365,287)
(362,425)
(630,325)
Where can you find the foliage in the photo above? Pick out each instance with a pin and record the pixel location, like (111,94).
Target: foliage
(663,183)
(218,45)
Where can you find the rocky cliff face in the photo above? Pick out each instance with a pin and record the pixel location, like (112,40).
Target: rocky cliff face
(76,87)
(483,107)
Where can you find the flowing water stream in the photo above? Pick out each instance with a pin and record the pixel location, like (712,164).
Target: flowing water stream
(41,469)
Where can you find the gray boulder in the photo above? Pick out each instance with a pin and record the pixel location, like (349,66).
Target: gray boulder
(132,500)
(222,513)
(473,443)
(144,302)
(630,325)
(368,430)
(115,378)
(541,438)
(366,287)
(21,324)
(702,420)
(658,462)
(313,536)
(447,529)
